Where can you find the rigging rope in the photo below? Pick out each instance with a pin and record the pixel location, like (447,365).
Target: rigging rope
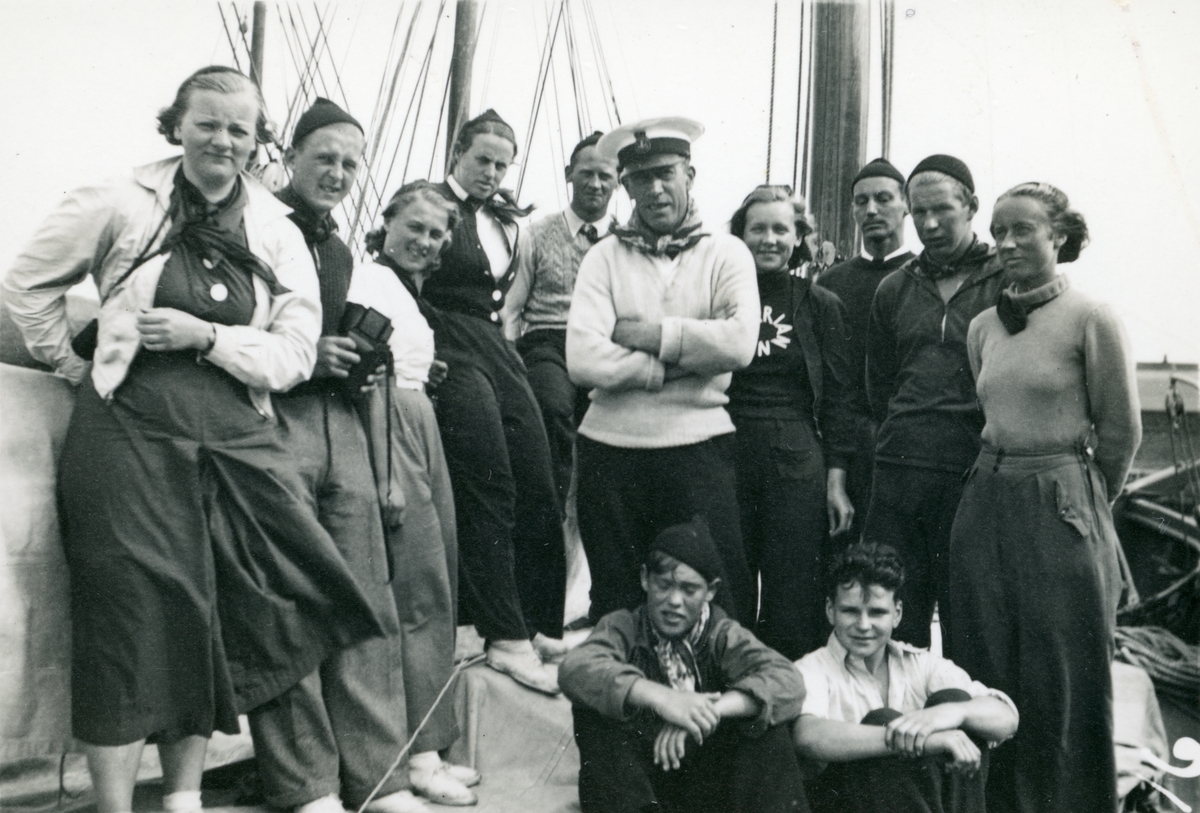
(594,30)
(799,106)
(809,103)
(232,48)
(539,90)
(771,104)
(582,114)
(423,80)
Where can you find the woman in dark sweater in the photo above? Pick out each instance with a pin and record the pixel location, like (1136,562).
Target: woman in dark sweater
(512,558)
(1034,579)
(792,409)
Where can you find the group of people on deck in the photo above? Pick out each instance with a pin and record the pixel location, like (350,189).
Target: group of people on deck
(289,476)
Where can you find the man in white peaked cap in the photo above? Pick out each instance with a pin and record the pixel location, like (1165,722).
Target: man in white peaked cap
(663,312)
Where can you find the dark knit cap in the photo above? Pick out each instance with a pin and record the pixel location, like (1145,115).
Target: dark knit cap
(692,544)
(879,168)
(948,165)
(322,113)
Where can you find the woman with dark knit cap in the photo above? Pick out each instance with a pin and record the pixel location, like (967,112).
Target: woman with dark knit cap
(512,557)
(1034,578)
(792,409)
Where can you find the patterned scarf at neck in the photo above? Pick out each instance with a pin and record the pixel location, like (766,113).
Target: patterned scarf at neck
(638,237)
(1014,306)
(677,657)
(975,254)
(316,228)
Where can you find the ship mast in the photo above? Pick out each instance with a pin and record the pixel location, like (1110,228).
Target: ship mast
(461,61)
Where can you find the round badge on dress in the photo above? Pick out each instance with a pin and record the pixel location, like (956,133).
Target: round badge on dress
(219,292)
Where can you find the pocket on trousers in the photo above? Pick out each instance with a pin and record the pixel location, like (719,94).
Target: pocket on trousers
(793,461)
(1072,509)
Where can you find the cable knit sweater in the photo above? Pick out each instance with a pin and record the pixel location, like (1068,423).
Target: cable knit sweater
(547,265)
(707,302)
(1068,378)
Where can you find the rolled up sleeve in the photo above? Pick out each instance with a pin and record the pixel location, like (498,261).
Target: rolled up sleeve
(597,674)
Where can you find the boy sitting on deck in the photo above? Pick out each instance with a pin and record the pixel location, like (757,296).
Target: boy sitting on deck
(873,703)
(678,707)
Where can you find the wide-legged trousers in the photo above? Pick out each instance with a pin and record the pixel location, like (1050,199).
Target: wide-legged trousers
(731,773)
(912,509)
(1034,582)
(339,729)
(627,497)
(781,495)
(425,548)
(512,556)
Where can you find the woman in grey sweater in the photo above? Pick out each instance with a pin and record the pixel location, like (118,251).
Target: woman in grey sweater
(1034,578)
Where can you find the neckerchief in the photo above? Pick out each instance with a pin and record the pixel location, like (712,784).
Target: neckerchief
(316,228)
(976,253)
(211,233)
(638,237)
(502,204)
(677,657)
(1014,306)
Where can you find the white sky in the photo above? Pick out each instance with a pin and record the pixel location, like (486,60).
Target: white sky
(1099,97)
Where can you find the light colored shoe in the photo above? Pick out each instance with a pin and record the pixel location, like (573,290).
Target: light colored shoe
(518,660)
(326,804)
(439,787)
(550,650)
(402,801)
(468,776)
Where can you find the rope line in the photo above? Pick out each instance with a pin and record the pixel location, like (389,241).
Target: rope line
(799,106)
(540,89)
(771,103)
(458,670)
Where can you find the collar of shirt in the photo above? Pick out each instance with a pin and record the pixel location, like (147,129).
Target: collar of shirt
(575,223)
(456,187)
(871,259)
(855,667)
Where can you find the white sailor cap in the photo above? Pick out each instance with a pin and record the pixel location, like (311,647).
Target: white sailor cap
(650,142)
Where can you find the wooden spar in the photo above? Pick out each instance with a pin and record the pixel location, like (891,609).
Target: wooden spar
(460,72)
(841,46)
(257,41)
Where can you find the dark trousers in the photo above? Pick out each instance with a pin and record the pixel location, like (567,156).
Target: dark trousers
(512,558)
(781,495)
(912,509)
(730,773)
(561,402)
(858,479)
(339,728)
(627,497)
(1034,580)
(896,784)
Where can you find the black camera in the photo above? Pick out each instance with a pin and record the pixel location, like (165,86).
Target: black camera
(370,331)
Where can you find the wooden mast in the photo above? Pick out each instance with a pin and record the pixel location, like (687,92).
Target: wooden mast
(841,46)
(460,72)
(258,38)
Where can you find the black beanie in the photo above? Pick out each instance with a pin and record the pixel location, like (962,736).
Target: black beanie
(879,168)
(322,113)
(692,544)
(948,165)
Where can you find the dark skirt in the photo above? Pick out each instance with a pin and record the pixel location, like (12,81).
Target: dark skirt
(202,584)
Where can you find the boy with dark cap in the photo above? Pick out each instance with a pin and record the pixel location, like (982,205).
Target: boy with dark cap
(878,207)
(920,387)
(902,730)
(677,706)
(540,297)
(330,738)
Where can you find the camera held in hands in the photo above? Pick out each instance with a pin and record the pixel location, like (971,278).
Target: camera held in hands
(370,331)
